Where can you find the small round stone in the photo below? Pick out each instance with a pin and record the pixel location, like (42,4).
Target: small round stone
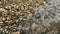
(4,19)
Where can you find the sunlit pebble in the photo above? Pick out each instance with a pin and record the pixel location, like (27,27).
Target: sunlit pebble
(17,6)
(10,26)
(6,7)
(1,22)
(12,11)
(3,18)
(6,31)
(22,8)
(30,0)
(2,9)
(9,6)
(30,7)
(18,32)
(1,29)
(20,18)
(0,2)
(37,4)
(4,0)
(44,2)
(24,5)
(13,5)
(33,26)
(27,28)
